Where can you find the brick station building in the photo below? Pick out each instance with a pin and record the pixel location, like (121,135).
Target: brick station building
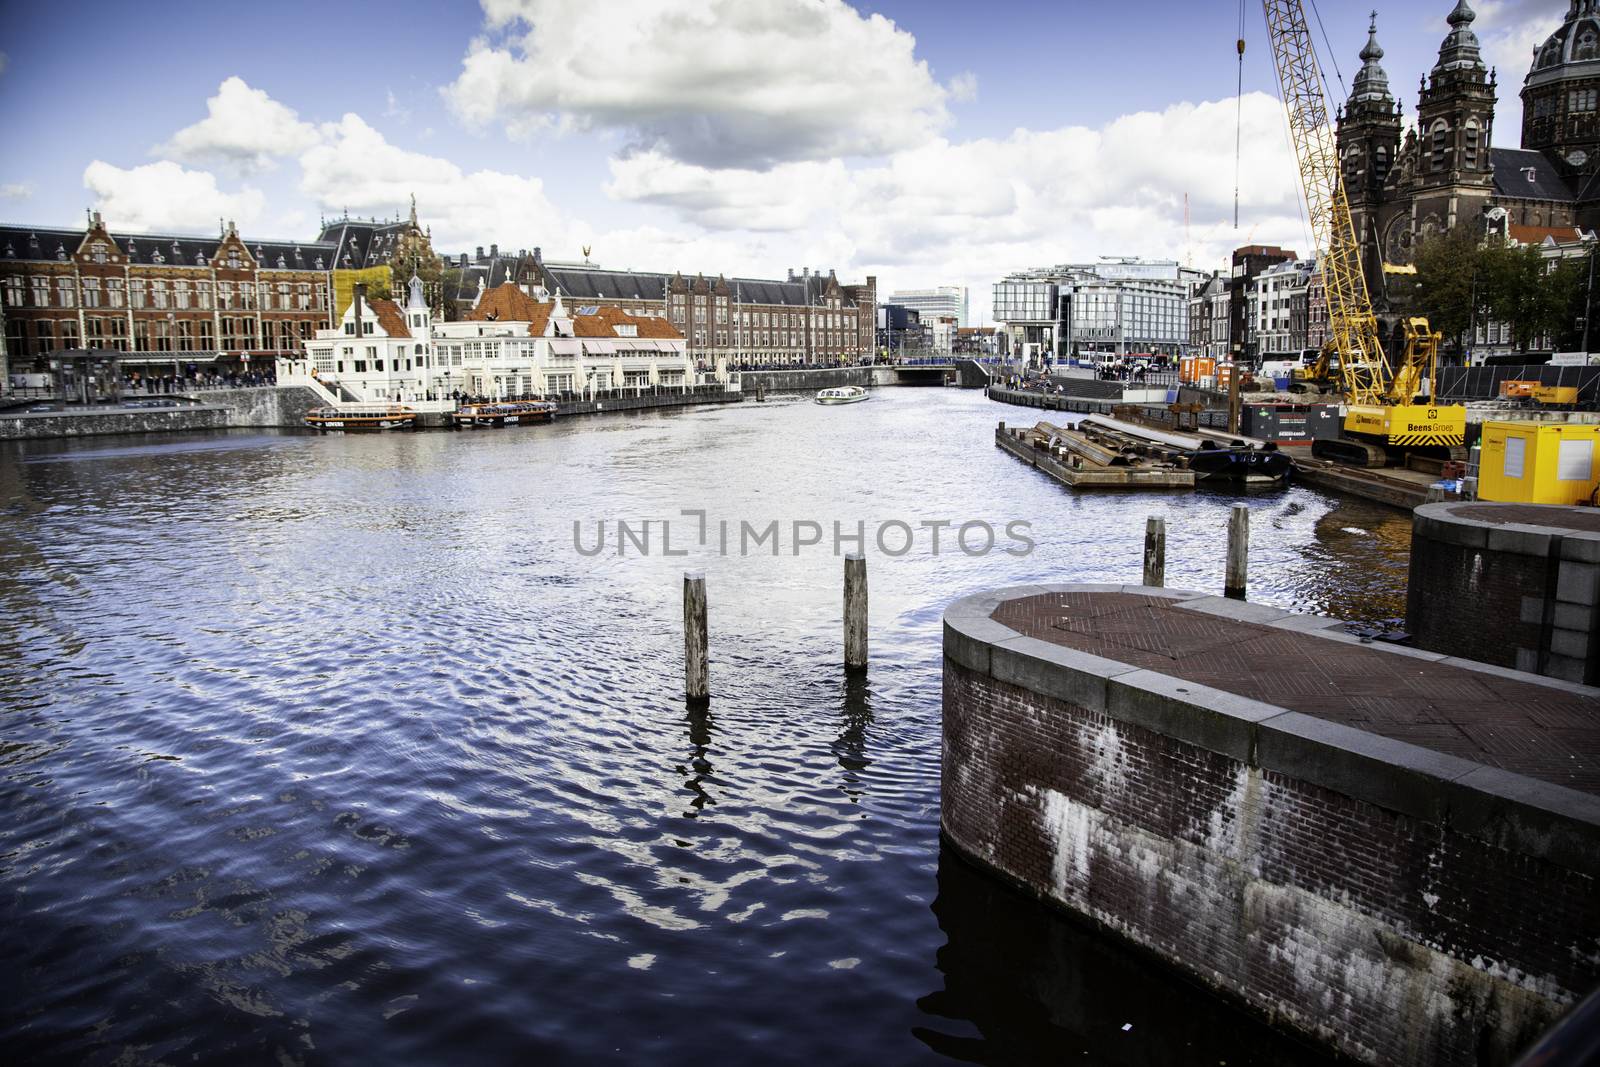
(167,301)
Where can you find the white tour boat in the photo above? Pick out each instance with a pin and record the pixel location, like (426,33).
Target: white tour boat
(848,394)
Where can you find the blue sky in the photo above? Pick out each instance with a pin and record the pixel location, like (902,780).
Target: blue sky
(737,136)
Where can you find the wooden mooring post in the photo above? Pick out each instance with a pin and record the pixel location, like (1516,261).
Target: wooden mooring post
(696,664)
(1235,580)
(855,612)
(1155,551)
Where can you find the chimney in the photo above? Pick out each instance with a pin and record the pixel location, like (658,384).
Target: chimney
(494,251)
(480,251)
(538,257)
(463,259)
(360,297)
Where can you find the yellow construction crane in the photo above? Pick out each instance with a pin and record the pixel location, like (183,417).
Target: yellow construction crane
(1381,416)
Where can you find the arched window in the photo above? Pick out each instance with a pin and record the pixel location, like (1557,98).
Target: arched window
(1587,45)
(1440,137)
(1469,145)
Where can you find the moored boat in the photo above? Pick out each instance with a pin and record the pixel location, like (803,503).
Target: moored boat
(502,413)
(358,418)
(845,394)
(1260,466)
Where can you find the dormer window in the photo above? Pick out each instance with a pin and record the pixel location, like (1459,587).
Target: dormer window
(1531,174)
(627,329)
(233,259)
(97,252)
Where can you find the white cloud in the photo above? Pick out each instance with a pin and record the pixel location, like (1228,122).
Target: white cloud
(165,196)
(244,128)
(16,191)
(719,83)
(1509,31)
(392,108)
(355,167)
(973,211)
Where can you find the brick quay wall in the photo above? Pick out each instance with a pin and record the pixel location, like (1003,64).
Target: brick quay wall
(1512,584)
(1295,842)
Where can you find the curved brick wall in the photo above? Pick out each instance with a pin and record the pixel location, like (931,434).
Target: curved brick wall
(1402,904)
(1511,584)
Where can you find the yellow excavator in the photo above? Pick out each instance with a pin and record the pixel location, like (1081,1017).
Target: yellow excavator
(1383,416)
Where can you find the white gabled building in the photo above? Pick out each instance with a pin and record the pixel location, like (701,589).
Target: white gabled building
(512,344)
(379,350)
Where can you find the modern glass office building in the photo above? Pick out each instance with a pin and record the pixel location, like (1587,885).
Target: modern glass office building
(945,301)
(1115,306)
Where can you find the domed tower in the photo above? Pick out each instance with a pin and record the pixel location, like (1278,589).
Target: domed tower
(1368,140)
(1455,117)
(1559,104)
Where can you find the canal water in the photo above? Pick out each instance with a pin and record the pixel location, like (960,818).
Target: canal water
(337,749)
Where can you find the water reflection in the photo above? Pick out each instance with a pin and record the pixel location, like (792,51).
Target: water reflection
(1039,987)
(855,716)
(698,767)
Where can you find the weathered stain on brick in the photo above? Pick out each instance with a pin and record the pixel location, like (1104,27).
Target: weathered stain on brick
(1395,939)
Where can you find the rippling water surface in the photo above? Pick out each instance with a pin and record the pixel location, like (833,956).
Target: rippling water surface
(332,749)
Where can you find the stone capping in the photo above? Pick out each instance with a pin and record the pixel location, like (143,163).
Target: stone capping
(1443,522)
(1522,814)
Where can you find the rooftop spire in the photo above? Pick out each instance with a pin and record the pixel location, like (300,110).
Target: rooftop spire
(1371,81)
(1460,47)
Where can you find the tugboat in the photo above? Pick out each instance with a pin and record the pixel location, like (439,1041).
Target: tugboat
(359,418)
(507,413)
(848,394)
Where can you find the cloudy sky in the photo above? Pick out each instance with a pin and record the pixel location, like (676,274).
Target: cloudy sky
(924,141)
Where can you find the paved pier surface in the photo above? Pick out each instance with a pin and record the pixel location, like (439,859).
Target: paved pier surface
(1423,698)
(1391,851)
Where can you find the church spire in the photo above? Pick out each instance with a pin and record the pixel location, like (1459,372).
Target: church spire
(1460,48)
(1371,81)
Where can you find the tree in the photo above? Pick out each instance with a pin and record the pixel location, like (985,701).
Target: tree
(1448,290)
(1532,295)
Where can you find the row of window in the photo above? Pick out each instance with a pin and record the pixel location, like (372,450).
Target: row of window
(42,336)
(140,294)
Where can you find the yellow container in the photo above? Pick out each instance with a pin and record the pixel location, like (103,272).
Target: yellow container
(1556,394)
(1539,462)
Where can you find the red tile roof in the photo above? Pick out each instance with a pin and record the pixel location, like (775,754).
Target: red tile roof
(390,317)
(606,318)
(1535,235)
(508,303)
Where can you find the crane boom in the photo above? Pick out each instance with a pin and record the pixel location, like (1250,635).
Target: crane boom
(1353,326)
(1378,403)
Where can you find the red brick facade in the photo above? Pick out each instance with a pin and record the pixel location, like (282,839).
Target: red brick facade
(159,298)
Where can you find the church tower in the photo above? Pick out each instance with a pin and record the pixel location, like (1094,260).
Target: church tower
(1368,140)
(1454,177)
(1559,105)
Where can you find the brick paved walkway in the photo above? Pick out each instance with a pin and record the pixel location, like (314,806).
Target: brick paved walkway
(1530,729)
(1584,520)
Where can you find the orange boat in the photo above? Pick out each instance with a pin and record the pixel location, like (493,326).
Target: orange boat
(502,413)
(362,418)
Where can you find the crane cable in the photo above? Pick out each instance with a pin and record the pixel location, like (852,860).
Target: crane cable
(1238,118)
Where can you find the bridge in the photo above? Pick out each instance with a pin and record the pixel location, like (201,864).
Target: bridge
(964,371)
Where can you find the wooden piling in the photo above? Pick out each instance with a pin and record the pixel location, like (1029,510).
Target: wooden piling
(696,664)
(855,612)
(1155,551)
(1238,552)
